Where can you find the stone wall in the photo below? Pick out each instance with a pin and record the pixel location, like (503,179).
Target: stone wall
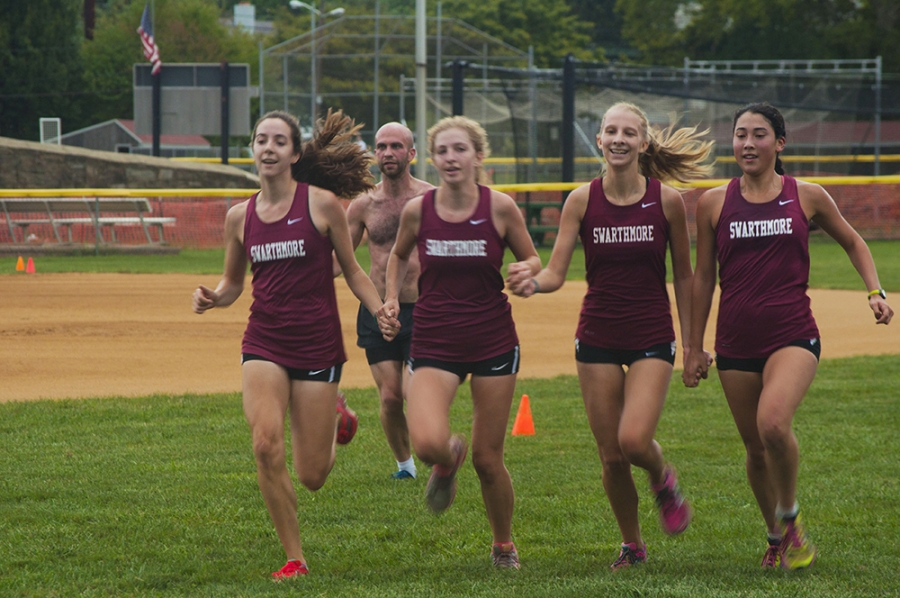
(30,165)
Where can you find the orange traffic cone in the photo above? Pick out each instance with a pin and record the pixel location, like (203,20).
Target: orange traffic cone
(20,265)
(524,424)
(29,269)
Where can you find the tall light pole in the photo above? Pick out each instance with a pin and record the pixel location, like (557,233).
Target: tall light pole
(313,92)
(421,97)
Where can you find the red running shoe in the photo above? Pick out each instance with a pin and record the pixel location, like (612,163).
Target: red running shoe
(441,488)
(291,570)
(348,422)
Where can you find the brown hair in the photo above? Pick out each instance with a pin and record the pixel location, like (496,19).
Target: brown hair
(671,154)
(476,133)
(331,159)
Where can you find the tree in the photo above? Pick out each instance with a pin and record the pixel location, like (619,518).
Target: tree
(874,30)
(40,65)
(650,27)
(606,24)
(550,26)
(762,30)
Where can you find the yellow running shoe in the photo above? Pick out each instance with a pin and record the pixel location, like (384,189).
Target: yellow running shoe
(797,552)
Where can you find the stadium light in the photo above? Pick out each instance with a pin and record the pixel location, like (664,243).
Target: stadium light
(313,13)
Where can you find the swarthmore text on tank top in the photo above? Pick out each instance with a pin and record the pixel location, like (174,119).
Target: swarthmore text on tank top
(623,234)
(276,251)
(449,248)
(760,228)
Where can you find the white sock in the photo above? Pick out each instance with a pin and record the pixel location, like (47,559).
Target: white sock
(787,513)
(408,465)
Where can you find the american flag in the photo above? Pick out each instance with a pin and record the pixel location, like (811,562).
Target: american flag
(151,50)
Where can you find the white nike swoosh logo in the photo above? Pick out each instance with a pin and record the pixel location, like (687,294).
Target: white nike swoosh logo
(784,203)
(647,205)
(313,373)
(500,367)
(292,221)
(476,222)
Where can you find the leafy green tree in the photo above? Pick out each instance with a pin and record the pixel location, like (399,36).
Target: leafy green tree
(665,32)
(40,65)
(606,24)
(550,26)
(650,27)
(873,30)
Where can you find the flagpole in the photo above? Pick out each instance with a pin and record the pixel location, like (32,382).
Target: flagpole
(157,124)
(157,92)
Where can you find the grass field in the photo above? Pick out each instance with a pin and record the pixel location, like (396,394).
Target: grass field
(830,268)
(157,497)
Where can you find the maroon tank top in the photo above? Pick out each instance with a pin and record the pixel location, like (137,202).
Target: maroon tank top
(462,313)
(294,318)
(627,304)
(763,254)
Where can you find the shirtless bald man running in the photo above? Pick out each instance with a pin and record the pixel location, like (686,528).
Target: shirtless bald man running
(378,213)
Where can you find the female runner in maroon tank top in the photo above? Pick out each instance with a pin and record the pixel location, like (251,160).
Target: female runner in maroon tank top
(293,349)
(627,220)
(462,322)
(767,345)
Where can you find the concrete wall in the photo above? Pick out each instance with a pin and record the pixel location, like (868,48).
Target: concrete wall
(31,165)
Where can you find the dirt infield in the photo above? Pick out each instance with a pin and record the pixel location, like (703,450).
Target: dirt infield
(95,335)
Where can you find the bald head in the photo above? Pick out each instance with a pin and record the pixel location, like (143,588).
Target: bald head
(394,150)
(395,129)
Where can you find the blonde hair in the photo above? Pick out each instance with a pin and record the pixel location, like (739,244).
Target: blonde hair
(671,154)
(475,132)
(331,160)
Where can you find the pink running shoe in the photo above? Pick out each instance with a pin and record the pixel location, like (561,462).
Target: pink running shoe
(348,421)
(291,570)
(772,557)
(505,556)
(630,555)
(441,488)
(674,511)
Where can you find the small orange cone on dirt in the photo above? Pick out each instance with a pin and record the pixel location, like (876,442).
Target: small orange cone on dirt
(20,265)
(524,424)
(29,269)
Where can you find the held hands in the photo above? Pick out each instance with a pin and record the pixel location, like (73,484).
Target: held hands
(203,299)
(696,367)
(387,317)
(519,279)
(883,311)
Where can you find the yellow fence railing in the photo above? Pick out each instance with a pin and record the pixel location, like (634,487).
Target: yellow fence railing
(847,158)
(506,188)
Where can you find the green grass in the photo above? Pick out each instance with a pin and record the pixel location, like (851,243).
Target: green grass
(830,267)
(157,496)
(187,261)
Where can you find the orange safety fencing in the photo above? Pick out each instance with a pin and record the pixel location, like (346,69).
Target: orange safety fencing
(870,204)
